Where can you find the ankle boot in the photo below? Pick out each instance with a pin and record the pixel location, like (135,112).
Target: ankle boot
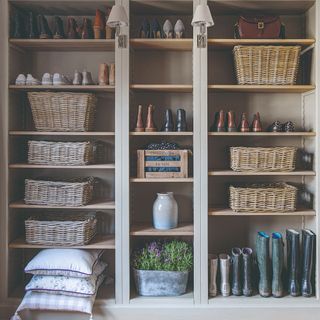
(308,242)
(112,74)
(213,269)
(244,124)
(168,125)
(224,260)
(99,25)
(58,31)
(277,265)
(150,127)
(87,78)
(72,32)
(221,122)
(247,272)
(256,123)
(214,125)
(236,258)
(18,29)
(181,120)
(86,29)
(103,74)
(293,262)
(139,123)
(45,32)
(262,248)
(33,27)
(232,122)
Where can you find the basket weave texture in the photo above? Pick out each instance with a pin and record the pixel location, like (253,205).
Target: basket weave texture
(60,153)
(63,111)
(273,65)
(59,193)
(263,159)
(277,197)
(61,229)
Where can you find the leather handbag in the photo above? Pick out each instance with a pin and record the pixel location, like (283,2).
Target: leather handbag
(259,27)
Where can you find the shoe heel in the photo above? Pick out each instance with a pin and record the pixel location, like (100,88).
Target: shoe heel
(169,35)
(179,35)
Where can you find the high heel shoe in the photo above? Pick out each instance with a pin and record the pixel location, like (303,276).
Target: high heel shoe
(72,32)
(168,29)
(179,29)
(86,29)
(145,29)
(156,29)
(58,32)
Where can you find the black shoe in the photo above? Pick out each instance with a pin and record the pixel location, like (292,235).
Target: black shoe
(45,32)
(18,28)
(288,127)
(33,27)
(145,29)
(156,30)
(58,32)
(181,120)
(275,127)
(168,125)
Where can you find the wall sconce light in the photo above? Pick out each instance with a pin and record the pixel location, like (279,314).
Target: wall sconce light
(202,18)
(117,19)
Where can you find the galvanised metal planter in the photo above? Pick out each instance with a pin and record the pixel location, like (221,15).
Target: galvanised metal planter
(160,283)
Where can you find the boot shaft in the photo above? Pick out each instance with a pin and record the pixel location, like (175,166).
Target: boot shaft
(236,258)
(247,272)
(293,261)
(277,264)
(213,269)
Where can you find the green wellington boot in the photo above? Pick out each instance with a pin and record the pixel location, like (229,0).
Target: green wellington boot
(262,249)
(277,264)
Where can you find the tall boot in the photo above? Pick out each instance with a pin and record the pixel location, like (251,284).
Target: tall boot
(277,265)
(45,32)
(18,28)
(150,127)
(213,269)
(181,120)
(308,242)
(236,258)
(293,262)
(139,124)
(224,260)
(33,27)
(232,122)
(168,125)
(262,248)
(247,272)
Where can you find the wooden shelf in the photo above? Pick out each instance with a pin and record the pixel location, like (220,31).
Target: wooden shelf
(161,133)
(36,166)
(94,205)
(95,88)
(147,180)
(99,242)
(229,212)
(260,88)
(50,133)
(183,88)
(64,44)
(183,229)
(247,173)
(263,134)
(162,44)
(230,43)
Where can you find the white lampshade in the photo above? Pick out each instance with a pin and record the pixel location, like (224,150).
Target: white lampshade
(202,16)
(117,17)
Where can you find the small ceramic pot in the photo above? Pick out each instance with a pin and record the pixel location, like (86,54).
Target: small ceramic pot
(165,211)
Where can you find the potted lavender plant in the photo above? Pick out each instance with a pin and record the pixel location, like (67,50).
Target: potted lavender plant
(161,268)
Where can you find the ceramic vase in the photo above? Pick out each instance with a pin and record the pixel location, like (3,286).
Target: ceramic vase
(165,211)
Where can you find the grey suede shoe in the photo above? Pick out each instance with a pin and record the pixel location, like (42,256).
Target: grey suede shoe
(77,78)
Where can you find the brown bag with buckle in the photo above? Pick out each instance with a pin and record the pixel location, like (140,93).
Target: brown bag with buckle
(259,27)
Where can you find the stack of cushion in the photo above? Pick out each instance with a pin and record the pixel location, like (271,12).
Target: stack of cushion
(63,280)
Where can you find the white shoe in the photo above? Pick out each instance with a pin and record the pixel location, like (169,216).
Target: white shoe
(47,79)
(179,29)
(60,80)
(31,81)
(21,80)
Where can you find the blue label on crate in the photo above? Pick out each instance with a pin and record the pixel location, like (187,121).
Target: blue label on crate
(162,169)
(162,158)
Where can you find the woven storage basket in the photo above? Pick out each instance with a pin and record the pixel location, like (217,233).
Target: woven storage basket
(278,197)
(61,229)
(275,65)
(59,193)
(60,153)
(263,159)
(63,111)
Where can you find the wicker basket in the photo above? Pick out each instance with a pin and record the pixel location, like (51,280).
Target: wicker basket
(278,197)
(59,193)
(61,153)
(263,159)
(275,65)
(61,229)
(63,111)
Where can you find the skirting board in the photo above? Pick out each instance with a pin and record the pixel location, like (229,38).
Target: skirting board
(174,313)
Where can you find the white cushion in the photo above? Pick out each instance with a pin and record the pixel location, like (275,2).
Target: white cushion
(64,262)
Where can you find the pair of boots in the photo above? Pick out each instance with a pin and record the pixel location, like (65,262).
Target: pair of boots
(181,123)
(276,286)
(150,126)
(241,264)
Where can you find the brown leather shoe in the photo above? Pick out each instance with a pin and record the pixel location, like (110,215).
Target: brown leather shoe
(72,32)
(221,126)
(151,127)
(139,124)
(99,25)
(244,124)
(256,123)
(103,74)
(86,29)
(232,122)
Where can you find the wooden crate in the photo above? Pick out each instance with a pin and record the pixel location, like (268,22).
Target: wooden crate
(182,163)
